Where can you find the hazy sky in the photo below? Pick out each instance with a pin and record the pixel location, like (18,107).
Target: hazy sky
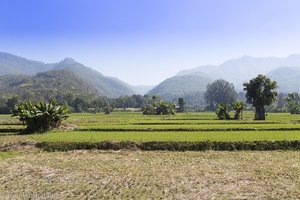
(146,41)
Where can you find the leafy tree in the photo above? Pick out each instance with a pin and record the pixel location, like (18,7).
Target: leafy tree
(155,98)
(149,110)
(181,104)
(81,105)
(293,101)
(11,103)
(41,116)
(261,91)
(165,108)
(220,91)
(281,100)
(159,108)
(239,107)
(222,111)
(108,109)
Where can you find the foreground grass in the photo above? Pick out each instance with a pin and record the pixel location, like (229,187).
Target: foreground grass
(4,155)
(154,175)
(77,136)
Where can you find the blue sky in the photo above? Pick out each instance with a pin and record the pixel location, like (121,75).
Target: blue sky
(145,41)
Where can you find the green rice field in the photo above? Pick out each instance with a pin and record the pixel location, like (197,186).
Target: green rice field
(28,171)
(132,126)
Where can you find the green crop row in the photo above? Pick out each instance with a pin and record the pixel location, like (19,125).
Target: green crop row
(79,136)
(173,146)
(189,127)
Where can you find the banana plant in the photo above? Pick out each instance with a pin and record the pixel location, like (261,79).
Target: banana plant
(222,111)
(239,108)
(42,116)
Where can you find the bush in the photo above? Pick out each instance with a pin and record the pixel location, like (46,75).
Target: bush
(222,111)
(293,100)
(41,116)
(149,110)
(107,109)
(239,108)
(159,108)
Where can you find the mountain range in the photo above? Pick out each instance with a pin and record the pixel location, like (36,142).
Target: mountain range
(286,71)
(18,74)
(102,85)
(58,84)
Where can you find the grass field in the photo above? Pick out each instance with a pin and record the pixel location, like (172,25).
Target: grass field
(180,127)
(27,172)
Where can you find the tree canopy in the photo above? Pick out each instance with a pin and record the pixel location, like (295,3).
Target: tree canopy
(181,104)
(260,91)
(220,91)
(293,101)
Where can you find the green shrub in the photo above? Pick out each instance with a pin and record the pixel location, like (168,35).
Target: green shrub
(107,109)
(293,101)
(149,110)
(222,111)
(41,116)
(159,108)
(239,108)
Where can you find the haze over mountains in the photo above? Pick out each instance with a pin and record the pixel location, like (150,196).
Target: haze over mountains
(104,86)
(286,71)
(242,69)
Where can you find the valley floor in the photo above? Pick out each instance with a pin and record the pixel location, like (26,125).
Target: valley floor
(155,175)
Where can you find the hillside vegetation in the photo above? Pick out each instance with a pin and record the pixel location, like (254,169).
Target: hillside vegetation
(56,84)
(102,85)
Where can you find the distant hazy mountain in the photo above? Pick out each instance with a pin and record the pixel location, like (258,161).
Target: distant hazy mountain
(288,78)
(243,69)
(180,86)
(45,85)
(11,64)
(104,86)
(236,71)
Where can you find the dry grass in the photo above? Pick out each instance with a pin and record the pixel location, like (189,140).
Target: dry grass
(154,175)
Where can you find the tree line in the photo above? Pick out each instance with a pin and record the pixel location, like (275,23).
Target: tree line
(219,92)
(260,94)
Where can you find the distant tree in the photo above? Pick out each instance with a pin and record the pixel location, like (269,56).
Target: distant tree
(293,101)
(165,108)
(149,110)
(159,108)
(108,109)
(261,91)
(220,91)
(155,98)
(281,100)
(11,103)
(81,105)
(181,104)
(69,97)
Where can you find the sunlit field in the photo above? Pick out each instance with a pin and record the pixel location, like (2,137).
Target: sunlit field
(152,175)
(180,127)
(26,169)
